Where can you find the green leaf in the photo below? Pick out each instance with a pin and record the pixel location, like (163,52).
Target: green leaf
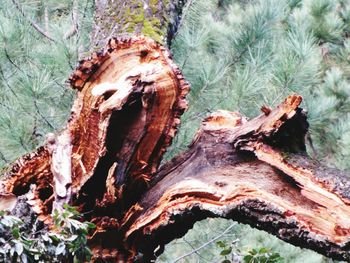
(275,257)
(54,238)
(263,250)
(27,242)
(253,251)
(247,258)
(220,244)
(262,259)
(90,225)
(226,251)
(15,232)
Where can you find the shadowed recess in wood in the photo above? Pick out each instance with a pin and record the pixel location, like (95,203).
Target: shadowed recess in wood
(241,170)
(130,99)
(150,92)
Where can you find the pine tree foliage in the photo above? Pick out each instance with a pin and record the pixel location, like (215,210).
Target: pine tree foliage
(241,54)
(34,99)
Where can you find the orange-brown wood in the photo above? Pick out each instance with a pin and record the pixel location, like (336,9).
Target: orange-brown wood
(132,130)
(130,99)
(241,170)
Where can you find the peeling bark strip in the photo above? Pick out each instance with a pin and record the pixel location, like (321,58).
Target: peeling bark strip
(60,149)
(130,98)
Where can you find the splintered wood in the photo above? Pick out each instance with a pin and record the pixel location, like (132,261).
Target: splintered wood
(106,162)
(147,101)
(242,170)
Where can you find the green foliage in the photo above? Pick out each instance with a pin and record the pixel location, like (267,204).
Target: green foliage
(263,255)
(22,243)
(240,238)
(34,99)
(225,251)
(72,234)
(204,232)
(251,54)
(239,55)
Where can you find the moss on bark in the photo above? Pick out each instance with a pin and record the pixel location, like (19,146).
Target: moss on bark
(157,19)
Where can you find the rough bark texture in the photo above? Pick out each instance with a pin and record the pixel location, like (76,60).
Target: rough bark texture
(157,19)
(130,99)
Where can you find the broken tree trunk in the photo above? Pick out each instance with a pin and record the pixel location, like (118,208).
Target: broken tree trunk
(255,172)
(129,102)
(130,99)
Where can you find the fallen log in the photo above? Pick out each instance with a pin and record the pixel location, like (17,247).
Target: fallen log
(106,162)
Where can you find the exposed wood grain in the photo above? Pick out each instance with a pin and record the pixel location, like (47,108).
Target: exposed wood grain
(106,162)
(236,169)
(133,127)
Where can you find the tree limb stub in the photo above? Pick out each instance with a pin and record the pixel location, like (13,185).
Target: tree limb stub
(130,98)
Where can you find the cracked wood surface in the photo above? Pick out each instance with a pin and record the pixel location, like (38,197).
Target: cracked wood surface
(241,170)
(130,99)
(132,127)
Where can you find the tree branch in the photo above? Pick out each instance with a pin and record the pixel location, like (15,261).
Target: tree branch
(205,244)
(75,24)
(130,99)
(31,22)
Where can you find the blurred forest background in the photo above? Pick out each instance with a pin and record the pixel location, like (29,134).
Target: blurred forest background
(237,55)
